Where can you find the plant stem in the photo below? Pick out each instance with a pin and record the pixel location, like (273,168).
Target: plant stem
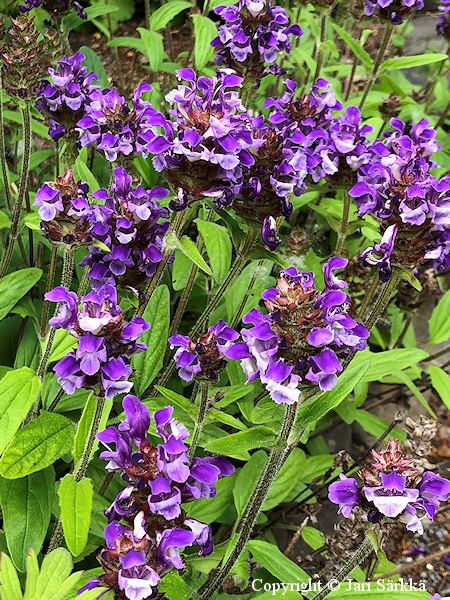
(369,296)
(401,337)
(244,527)
(434,82)
(50,279)
(383,299)
(373,77)
(352,77)
(361,553)
(6,259)
(202,412)
(321,41)
(147,13)
(344,222)
(66,279)
(241,306)
(80,470)
(3,151)
(443,116)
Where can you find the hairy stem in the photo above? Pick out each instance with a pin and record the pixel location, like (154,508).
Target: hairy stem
(344,222)
(434,82)
(241,306)
(202,412)
(80,470)
(368,298)
(3,151)
(373,77)
(319,51)
(383,299)
(50,279)
(245,525)
(23,184)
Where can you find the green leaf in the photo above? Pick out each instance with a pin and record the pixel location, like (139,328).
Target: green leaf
(441,383)
(315,408)
(94,64)
(179,401)
(181,270)
(222,417)
(173,585)
(188,248)
(204,33)
(73,20)
(218,246)
(81,171)
(406,62)
(276,562)
(27,507)
(388,362)
(355,47)
(376,426)
(439,322)
(233,444)
(5,222)
(147,364)
(14,286)
(32,567)
(212,4)
(209,510)
(154,47)
(36,126)
(10,585)
(313,537)
(54,582)
(128,42)
(19,390)
(285,480)
(62,344)
(247,479)
(75,500)
(84,426)
(376,590)
(37,445)
(165,13)
(417,393)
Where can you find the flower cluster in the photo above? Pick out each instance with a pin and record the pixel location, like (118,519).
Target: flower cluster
(64,209)
(106,343)
(305,336)
(392,489)
(204,358)
(393,11)
(412,205)
(443,24)
(116,128)
(254,33)
(56,8)
(147,527)
(132,224)
(63,97)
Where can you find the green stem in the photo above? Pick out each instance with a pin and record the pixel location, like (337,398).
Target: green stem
(245,525)
(373,77)
(321,41)
(344,222)
(147,13)
(3,150)
(66,279)
(443,116)
(26,117)
(80,470)
(383,299)
(361,553)
(404,331)
(241,306)
(368,298)
(434,82)
(202,412)
(352,77)
(50,279)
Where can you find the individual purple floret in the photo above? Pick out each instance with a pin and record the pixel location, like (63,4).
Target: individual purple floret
(412,204)
(305,336)
(132,224)
(106,343)
(141,551)
(56,8)
(111,125)
(443,24)
(64,96)
(204,358)
(394,11)
(253,33)
(64,209)
(393,489)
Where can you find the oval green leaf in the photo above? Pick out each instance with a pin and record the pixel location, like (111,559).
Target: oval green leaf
(37,445)
(233,444)
(75,500)
(19,390)
(14,286)
(439,321)
(218,247)
(165,13)
(279,565)
(188,248)
(205,31)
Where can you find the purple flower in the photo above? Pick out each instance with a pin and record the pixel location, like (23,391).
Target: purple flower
(204,358)
(133,225)
(393,10)
(345,493)
(253,33)
(106,343)
(380,255)
(286,351)
(391,497)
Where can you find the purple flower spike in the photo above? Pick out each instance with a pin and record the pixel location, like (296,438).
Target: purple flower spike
(144,544)
(287,352)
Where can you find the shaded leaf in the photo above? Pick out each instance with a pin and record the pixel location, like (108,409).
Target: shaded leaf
(439,322)
(218,247)
(188,248)
(233,444)
(75,500)
(14,286)
(279,565)
(165,13)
